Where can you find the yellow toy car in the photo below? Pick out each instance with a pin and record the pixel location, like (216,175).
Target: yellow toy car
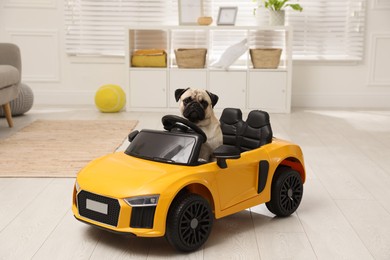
(158,187)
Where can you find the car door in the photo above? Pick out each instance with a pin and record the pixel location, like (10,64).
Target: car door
(239,181)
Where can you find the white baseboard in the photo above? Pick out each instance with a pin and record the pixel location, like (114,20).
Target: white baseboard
(341,101)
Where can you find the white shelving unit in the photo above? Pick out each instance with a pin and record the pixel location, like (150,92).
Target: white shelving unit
(242,86)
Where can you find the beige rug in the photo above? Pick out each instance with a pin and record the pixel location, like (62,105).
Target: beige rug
(60,148)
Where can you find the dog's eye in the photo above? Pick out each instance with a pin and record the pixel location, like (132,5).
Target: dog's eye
(187,100)
(204,103)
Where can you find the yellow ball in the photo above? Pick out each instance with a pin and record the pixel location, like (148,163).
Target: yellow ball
(110,98)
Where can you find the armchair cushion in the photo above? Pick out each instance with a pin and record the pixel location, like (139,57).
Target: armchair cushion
(9,75)
(10,55)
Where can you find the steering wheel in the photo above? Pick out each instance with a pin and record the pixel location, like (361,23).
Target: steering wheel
(171,121)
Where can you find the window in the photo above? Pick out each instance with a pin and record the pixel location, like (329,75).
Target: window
(325,30)
(96,27)
(328,30)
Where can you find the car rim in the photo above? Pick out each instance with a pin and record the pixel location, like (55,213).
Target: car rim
(291,193)
(195,224)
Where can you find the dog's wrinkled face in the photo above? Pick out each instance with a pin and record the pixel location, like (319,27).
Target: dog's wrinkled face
(196,104)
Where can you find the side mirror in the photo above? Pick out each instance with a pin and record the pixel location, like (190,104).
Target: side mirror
(132,135)
(226,152)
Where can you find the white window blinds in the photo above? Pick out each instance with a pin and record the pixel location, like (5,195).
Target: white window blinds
(328,30)
(325,30)
(96,27)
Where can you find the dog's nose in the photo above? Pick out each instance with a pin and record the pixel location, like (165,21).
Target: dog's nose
(194,114)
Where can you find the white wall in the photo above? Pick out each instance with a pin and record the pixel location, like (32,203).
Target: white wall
(37,27)
(366,84)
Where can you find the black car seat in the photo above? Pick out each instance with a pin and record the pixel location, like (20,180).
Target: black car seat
(257,131)
(231,125)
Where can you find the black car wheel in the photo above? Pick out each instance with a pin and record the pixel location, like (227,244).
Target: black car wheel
(189,222)
(286,192)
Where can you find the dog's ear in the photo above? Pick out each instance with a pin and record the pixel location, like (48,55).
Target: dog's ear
(179,92)
(214,98)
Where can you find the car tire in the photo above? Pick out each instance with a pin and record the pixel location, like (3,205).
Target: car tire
(286,192)
(189,223)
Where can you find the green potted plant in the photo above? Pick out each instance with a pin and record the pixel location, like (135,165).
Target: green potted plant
(277,9)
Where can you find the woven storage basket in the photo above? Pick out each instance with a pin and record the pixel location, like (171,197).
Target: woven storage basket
(265,58)
(191,58)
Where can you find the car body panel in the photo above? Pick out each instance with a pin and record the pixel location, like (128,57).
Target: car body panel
(228,190)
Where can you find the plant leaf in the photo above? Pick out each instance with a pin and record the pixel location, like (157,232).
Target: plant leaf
(295,7)
(278,5)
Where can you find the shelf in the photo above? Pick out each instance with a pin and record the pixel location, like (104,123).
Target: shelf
(146,68)
(232,68)
(268,70)
(240,86)
(210,27)
(194,69)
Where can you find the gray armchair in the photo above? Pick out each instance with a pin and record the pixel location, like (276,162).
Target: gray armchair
(10,77)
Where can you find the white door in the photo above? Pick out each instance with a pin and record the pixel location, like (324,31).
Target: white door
(230,87)
(267,91)
(148,88)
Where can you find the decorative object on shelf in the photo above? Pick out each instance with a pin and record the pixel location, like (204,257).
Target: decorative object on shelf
(262,15)
(23,102)
(265,58)
(227,15)
(190,11)
(149,58)
(191,58)
(205,20)
(277,18)
(277,10)
(230,55)
(110,98)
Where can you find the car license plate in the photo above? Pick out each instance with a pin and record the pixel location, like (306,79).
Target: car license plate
(97,206)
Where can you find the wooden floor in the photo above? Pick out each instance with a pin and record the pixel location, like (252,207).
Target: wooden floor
(345,212)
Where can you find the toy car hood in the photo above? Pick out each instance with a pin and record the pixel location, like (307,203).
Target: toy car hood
(129,175)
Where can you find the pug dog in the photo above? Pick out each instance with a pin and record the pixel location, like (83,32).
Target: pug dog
(197,105)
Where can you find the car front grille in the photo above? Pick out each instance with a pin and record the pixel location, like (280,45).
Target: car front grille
(111,208)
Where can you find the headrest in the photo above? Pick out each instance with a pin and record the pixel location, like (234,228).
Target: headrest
(257,119)
(231,116)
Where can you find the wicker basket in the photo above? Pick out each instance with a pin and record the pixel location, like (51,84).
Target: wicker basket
(149,58)
(265,58)
(191,58)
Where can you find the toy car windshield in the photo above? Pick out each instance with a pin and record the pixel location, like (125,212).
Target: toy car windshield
(179,148)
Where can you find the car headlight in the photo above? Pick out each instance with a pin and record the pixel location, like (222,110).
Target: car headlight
(77,186)
(143,201)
